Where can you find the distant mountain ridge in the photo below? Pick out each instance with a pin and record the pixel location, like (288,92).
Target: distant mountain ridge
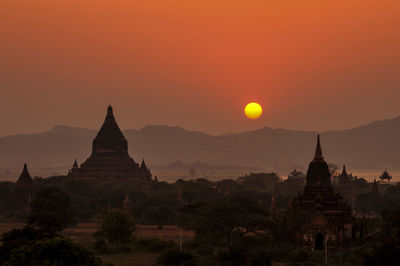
(372,146)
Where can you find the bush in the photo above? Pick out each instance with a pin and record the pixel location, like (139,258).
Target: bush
(17,238)
(55,251)
(116,227)
(50,210)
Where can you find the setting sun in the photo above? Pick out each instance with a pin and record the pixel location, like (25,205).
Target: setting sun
(253,110)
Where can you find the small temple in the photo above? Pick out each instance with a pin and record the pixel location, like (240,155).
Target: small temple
(22,193)
(25,179)
(297,175)
(330,220)
(385,176)
(110,160)
(345,187)
(126,204)
(344,177)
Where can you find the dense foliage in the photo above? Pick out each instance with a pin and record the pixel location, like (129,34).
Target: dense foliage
(116,226)
(50,210)
(54,251)
(232,220)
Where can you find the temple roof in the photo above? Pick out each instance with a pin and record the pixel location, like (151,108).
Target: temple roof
(110,138)
(75,164)
(318,174)
(295,172)
(318,152)
(25,178)
(344,172)
(110,159)
(110,127)
(385,175)
(143,165)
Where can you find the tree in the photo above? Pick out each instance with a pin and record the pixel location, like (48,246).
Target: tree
(158,215)
(50,210)
(54,251)
(116,226)
(383,247)
(333,169)
(260,181)
(224,225)
(17,238)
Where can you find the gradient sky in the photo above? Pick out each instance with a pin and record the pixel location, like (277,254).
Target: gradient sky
(313,65)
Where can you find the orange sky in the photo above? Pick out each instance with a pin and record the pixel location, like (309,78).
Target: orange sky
(314,65)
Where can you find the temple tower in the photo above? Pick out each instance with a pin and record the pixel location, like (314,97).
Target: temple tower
(21,196)
(110,160)
(385,176)
(329,217)
(25,179)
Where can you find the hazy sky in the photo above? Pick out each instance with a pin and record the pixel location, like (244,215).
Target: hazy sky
(314,65)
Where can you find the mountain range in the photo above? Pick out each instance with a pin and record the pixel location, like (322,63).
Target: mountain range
(372,146)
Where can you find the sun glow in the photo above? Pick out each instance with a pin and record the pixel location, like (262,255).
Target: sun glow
(253,110)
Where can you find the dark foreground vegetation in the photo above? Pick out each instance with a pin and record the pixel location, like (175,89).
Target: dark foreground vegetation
(235,222)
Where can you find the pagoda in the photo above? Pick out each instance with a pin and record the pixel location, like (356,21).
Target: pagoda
(25,179)
(297,175)
(345,186)
(329,219)
(22,194)
(110,160)
(385,176)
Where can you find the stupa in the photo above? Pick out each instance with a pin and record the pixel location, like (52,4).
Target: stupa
(20,198)
(110,160)
(329,222)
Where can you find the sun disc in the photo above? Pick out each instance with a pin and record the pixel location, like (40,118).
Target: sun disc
(253,110)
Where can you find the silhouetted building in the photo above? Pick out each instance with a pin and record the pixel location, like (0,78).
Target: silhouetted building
(126,204)
(145,170)
(344,186)
(329,219)
(385,176)
(344,177)
(75,164)
(110,161)
(297,175)
(22,193)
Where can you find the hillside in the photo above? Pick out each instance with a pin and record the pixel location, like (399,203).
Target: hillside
(372,146)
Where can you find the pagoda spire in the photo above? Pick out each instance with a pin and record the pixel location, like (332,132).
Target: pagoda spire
(110,126)
(143,165)
(318,152)
(75,164)
(110,111)
(25,178)
(344,171)
(26,169)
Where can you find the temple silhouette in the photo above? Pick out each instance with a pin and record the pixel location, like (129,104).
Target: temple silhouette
(22,194)
(330,221)
(110,160)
